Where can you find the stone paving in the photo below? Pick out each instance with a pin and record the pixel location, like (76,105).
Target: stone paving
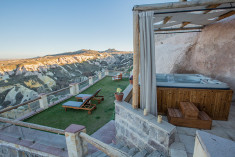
(225,129)
(105,134)
(24,139)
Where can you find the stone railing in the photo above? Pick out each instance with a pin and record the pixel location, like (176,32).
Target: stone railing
(44,101)
(18,137)
(73,144)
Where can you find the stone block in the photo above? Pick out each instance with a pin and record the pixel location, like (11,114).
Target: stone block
(133,137)
(145,127)
(172,138)
(153,133)
(158,146)
(178,153)
(144,132)
(178,146)
(162,138)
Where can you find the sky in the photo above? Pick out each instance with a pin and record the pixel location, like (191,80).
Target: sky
(31,28)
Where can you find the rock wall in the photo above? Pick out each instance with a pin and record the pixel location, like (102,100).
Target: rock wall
(210,52)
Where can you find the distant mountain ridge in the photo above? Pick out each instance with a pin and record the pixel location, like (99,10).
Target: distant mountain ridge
(19,66)
(86,51)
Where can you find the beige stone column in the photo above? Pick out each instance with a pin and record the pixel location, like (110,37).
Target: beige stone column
(106,72)
(72,89)
(91,81)
(75,145)
(76,86)
(43,101)
(100,75)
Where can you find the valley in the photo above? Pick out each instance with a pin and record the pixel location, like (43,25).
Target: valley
(23,80)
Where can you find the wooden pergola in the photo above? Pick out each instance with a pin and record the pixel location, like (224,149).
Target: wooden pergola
(176,17)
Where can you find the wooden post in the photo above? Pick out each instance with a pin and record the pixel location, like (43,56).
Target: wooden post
(33,126)
(136,59)
(75,145)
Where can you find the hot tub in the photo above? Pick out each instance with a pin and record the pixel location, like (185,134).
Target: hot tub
(209,95)
(189,81)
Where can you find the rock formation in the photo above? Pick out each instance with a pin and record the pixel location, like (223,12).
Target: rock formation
(22,80)
(210,52)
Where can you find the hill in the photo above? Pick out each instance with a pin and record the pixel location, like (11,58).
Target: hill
(24,79)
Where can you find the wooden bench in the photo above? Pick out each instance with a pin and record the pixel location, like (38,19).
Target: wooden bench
(182,117)
(117,77)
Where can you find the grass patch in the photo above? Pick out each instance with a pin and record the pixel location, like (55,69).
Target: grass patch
(56,116)
(97,117)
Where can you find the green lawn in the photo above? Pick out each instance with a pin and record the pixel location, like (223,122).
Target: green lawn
(56,116)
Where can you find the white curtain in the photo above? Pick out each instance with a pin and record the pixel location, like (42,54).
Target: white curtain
(148,97)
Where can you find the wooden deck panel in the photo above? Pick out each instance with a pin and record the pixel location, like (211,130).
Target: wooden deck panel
(216,103)
(189,110)
(175,117)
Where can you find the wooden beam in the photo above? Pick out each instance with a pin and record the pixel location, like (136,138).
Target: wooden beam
(166,19)
(33,126)
(16,106)
(55,92)
(211,7)
(184,24)
(177,29)
(107,149)
(226,15)
(173,5)
(136,59)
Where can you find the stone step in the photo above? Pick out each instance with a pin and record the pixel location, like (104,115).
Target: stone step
(142,153)
(95,154)
(125,149)
(133,151)
(156,154)
(102,155)
(177,149)
(118,145)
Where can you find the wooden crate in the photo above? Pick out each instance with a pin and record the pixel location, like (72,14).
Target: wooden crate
(216,103)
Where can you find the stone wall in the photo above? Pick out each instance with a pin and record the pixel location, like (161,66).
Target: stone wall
(22,140)
(143,132)
(210,52)
(8,151)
